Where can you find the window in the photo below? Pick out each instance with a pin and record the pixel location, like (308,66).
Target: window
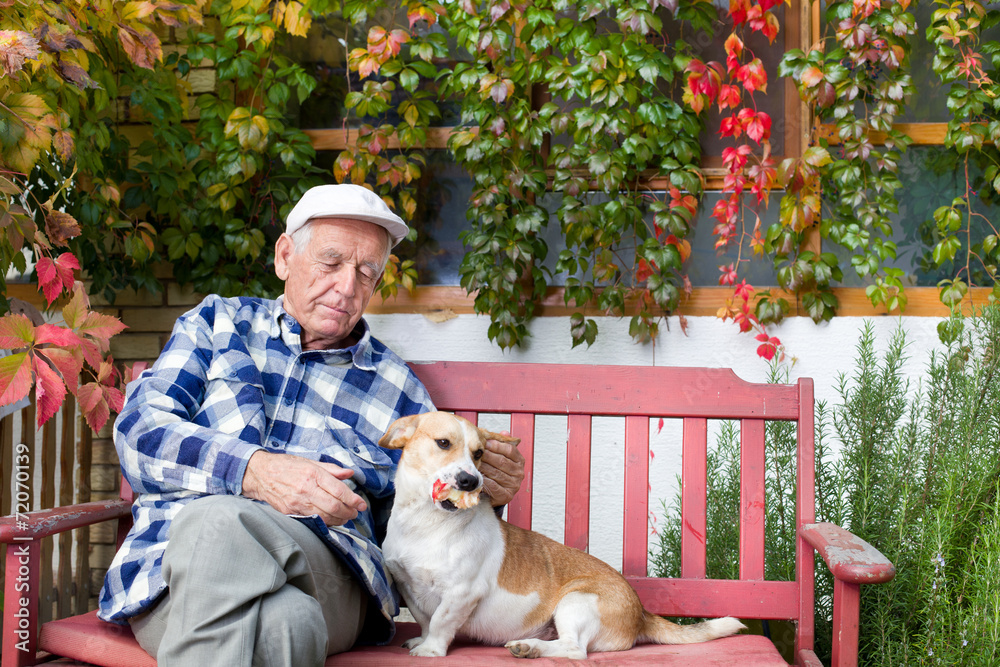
(927,171)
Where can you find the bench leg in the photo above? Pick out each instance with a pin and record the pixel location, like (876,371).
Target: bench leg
(846,603)
(20,613)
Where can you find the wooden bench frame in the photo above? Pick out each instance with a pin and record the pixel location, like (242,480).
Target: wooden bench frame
(579,393)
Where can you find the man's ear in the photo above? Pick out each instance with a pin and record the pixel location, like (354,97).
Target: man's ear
(490,435)
(399,433)
(284,248)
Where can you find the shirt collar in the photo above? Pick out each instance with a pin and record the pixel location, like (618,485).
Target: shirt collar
(360,353)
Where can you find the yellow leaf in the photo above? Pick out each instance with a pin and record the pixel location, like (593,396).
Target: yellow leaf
(237,120)
(297,19)
(136,11)
(279,12)
(261,124)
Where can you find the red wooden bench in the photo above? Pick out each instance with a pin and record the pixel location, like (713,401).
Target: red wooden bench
(579,393)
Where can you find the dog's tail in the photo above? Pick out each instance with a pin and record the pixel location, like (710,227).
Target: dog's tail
(659,630)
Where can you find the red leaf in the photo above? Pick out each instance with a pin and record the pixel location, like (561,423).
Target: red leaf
(115,398)
(55,276)
(67,362)
(752,76)
(730,126)
(15,377)
(133,371)
(766,350)
(728,276)
(759,127)
(16,331)
(729,96)
(762,337)
(107,375)
(811,76)
(55,335)
(738,10)
(50,392)
(100,326)
(93,405)
(93,352)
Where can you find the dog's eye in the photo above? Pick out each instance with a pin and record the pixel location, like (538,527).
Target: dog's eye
(443,443)
(478,454)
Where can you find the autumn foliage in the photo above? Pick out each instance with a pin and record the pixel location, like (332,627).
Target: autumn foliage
(50,54)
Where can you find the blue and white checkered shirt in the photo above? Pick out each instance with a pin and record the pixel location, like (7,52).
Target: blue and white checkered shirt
(233,379)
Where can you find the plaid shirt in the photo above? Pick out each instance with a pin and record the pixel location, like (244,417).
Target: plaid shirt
(233,379)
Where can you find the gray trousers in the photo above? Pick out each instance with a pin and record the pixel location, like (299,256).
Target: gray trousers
(248,585)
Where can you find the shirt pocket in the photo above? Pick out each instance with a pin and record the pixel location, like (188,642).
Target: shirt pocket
(234,398)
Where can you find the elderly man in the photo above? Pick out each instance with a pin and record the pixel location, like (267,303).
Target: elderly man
(251,443)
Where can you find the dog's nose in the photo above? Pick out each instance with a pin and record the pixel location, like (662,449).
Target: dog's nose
(466,482)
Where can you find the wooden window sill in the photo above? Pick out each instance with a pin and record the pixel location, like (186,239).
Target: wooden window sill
(704,301)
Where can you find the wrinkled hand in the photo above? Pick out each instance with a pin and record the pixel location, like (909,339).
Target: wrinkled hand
(503,471)
(294,485)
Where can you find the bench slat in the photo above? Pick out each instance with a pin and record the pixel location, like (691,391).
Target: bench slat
(519,511)
(636,520)
(694,490)
(714,393)
(709,598)
(752,499)
(577,530)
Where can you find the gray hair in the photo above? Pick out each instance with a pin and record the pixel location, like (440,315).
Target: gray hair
(303,235)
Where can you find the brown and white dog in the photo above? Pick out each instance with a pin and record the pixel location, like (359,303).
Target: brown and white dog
(463,570)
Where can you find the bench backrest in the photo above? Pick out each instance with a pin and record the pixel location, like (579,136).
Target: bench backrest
(639,394)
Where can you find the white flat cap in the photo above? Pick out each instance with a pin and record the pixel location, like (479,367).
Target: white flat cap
(345,201)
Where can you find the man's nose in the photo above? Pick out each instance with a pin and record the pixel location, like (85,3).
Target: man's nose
(346,281)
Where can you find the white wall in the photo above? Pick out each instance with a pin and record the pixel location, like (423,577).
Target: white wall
(821,352)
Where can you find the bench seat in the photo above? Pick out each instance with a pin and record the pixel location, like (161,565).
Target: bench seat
(87,640)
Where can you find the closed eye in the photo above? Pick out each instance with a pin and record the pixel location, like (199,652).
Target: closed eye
(443,443)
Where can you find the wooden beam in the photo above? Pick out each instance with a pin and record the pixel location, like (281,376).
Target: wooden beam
(437,301)
(922,134)
(338,139)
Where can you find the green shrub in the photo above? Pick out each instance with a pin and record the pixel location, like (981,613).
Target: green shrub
(916,475)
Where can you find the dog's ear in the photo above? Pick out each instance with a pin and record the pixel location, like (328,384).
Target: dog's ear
(490,435)
(399,433)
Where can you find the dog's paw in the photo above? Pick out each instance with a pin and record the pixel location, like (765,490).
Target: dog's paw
(413,643)
(523,649)
(428,650)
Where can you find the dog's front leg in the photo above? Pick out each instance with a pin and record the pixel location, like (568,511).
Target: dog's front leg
(446,620)
(424,621)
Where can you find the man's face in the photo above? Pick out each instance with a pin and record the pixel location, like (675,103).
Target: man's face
(328,284)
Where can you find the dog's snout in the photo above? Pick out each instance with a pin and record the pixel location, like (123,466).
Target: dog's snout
(466,482)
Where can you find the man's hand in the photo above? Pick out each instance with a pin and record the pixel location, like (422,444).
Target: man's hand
(503,471)
(294,485)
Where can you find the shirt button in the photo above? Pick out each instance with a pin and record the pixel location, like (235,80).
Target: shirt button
(289,400)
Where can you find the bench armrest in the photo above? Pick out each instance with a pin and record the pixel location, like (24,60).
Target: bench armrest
(849,558)
(42,523)
(853,562)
